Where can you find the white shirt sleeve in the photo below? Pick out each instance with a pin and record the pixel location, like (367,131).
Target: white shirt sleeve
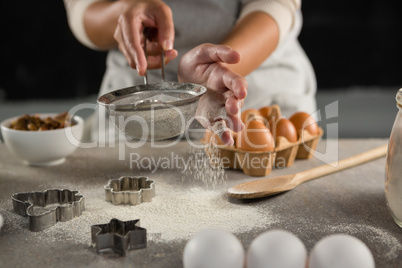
(75,14)
(282,11)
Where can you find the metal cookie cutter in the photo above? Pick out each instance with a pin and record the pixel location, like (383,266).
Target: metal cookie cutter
(46,208)
(129,190)
(118,236)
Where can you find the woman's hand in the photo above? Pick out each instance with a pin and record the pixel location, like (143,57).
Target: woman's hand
(219,108)
(135,17)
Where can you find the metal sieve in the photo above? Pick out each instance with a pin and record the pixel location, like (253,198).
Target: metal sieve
(153,111)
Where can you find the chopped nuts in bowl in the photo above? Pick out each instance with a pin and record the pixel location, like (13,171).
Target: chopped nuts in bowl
(36,123)
(42,139)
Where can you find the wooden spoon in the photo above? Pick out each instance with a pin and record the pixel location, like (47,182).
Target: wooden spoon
(271,186)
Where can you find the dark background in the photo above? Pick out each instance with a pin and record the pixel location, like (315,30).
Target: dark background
(350,43)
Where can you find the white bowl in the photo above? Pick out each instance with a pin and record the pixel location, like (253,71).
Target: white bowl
(43,148)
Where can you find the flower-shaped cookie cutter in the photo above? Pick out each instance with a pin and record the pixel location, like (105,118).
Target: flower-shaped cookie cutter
(118,236)
(44,209)
(129,190)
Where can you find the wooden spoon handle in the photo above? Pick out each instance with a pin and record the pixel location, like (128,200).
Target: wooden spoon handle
(340,165)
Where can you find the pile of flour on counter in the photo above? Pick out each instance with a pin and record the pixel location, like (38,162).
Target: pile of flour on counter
(375,235)
(171,215)
(380,242)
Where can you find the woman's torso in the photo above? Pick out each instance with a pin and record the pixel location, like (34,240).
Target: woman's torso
(287,71)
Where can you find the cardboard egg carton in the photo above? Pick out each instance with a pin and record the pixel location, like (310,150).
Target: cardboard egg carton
(251,163)
(261,163)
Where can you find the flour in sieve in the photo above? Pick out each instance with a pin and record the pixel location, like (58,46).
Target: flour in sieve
(171,215)
(157,124)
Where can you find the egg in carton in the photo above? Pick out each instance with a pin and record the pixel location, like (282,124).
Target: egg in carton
(308,132)
(281,154)
(287,152)
(285,135)
(253,159)
(296,137)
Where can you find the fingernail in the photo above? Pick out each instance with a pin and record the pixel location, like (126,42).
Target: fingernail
(167,45)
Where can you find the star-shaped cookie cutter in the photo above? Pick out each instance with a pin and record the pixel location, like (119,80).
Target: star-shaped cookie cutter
(118,236)
(129,190)
(44,209)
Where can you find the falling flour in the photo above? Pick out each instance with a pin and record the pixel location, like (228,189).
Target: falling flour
(171,215)
(201,169)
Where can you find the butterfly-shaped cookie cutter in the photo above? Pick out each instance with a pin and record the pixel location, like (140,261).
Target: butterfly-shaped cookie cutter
(44,209)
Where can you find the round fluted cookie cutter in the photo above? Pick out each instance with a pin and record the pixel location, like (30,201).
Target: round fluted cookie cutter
(128,190)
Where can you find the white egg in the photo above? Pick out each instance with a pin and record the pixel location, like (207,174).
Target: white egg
(213,248)
(341,251)
(276,248)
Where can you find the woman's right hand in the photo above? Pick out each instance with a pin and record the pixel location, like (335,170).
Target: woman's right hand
(218,110)
(135,17)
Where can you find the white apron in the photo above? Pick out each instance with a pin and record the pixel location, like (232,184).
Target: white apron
(286,78)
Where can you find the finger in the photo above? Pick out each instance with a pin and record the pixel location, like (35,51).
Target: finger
(220,79)
(232,105)
(208,53)
(226,138)
(153,49)
(171,55)
(118,37)
(220,128)
(155,62)
(235,83)
(164,22)
(234,123)
(131,33)
(241,103)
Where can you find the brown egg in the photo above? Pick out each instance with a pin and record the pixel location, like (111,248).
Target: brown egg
(303,121)
(285,128)
(266,111)
(255,136)
(245,113)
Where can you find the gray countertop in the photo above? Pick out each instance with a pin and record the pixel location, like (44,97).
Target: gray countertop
(351,201)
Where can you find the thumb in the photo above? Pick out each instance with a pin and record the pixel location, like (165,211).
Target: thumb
(209,53)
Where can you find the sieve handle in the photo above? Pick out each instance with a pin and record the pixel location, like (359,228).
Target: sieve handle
(163,64)
(146,35)
(146,58)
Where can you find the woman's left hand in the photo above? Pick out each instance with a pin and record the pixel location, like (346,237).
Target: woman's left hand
(218,109)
